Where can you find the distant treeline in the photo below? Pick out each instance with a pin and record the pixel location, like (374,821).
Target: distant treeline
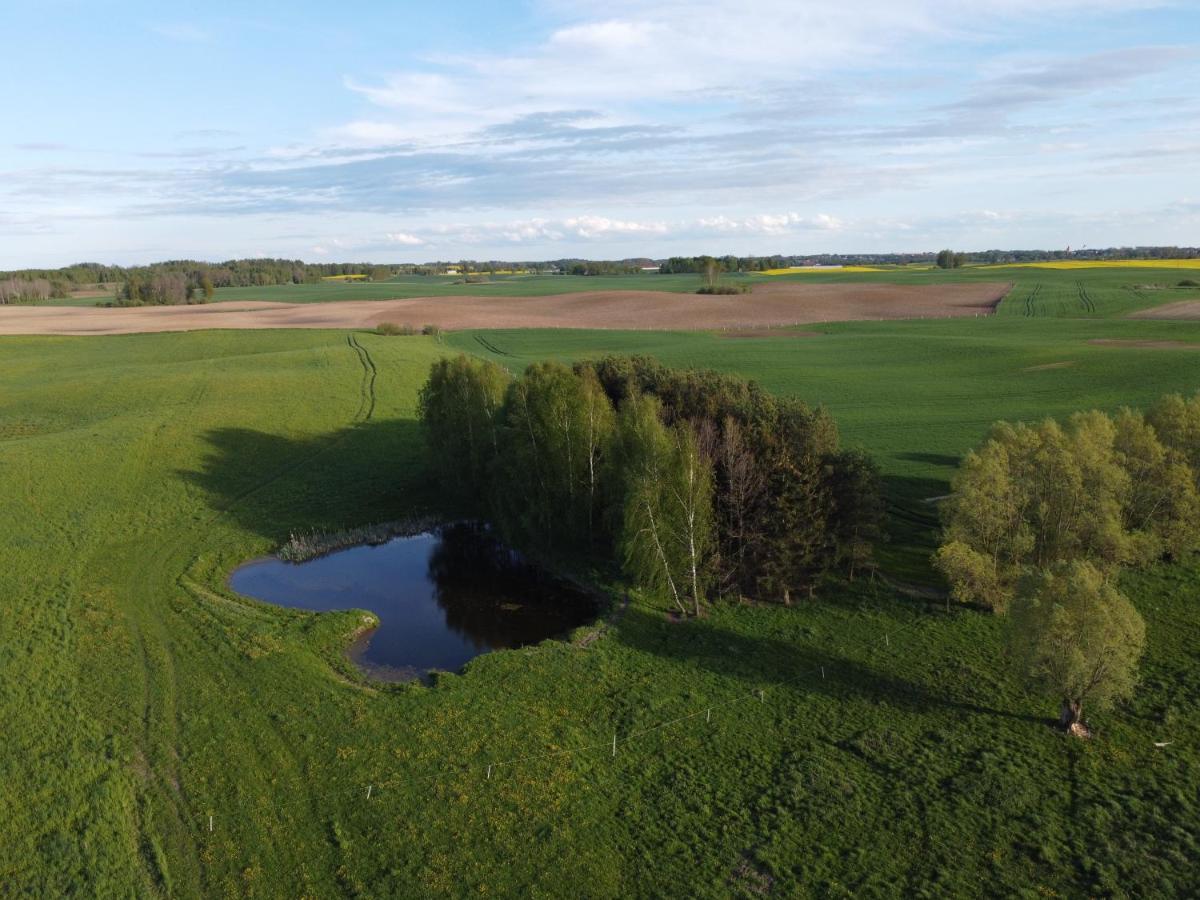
(694,482)
(26,285)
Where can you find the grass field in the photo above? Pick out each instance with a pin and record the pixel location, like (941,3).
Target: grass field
(890,753)
(452,285)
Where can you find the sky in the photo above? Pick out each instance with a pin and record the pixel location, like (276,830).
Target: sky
(604,129)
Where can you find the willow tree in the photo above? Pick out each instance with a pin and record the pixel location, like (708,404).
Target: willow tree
(1177,422)
(1075,637)
(1032,496)
(1162,506)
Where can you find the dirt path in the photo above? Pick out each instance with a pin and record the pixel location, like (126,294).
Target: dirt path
(774,304)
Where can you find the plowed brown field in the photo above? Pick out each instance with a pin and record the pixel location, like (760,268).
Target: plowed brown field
(774,304)
(1181,309)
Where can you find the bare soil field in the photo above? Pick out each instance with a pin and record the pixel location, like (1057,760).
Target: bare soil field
(774,304)
(1181,309)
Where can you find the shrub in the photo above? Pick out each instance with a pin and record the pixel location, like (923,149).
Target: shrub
(724,289)
(432,331)
(1189,282)
(391,329)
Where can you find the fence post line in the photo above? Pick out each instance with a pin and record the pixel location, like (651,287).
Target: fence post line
(614,749)
(210,818)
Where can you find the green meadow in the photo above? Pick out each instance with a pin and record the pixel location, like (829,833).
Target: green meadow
(451,286)
(166,737)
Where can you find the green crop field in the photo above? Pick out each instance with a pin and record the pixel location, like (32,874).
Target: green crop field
(451,286)
(164,736)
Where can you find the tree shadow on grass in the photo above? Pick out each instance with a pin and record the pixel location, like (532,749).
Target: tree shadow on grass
(768,662)
(274,485)
(933,459)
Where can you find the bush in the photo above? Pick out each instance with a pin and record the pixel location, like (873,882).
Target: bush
(391,329)
(724,289)
(432,331)
(1189,282)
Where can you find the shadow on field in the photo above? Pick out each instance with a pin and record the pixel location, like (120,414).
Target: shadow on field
(273,485)
(933,459)
(763,662)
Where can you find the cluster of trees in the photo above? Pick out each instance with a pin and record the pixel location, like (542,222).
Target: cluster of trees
(695,482)
(30,290)
(164,289)
(948,259)
(1047,511)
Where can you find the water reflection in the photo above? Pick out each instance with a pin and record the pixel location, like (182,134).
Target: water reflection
(442,598)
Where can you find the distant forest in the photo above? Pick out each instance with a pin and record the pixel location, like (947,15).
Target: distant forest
(185,280)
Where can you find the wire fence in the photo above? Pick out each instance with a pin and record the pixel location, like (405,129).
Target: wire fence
(379,788)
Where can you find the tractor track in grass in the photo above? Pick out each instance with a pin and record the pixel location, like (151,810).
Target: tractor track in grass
(489,346)
(1085,299)
(366,408)
(162,760)
(1031,300)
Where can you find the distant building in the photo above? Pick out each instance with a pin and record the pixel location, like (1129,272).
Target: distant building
(650,268)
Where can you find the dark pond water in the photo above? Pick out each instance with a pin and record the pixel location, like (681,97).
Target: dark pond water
(442,598)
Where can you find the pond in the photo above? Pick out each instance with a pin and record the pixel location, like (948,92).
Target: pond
(442,598)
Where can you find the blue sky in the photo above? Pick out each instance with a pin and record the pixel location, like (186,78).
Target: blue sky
(416,131)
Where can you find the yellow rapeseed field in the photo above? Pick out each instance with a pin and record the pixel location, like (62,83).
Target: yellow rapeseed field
(798,270)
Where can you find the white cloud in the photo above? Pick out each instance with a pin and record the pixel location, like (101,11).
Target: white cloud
(404,239)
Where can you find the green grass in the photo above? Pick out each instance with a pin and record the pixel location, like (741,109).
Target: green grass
(450,286)
(139,696)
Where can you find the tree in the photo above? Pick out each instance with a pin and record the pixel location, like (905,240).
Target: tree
(948,259)
(1162,505)
(555,424)
(1032,496)
(689,489)
(1176,421)
(640,457)
(796,544)
(666,488)
(206,286)
(857,516)
(740,494)
(1075,637)
(459,407)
